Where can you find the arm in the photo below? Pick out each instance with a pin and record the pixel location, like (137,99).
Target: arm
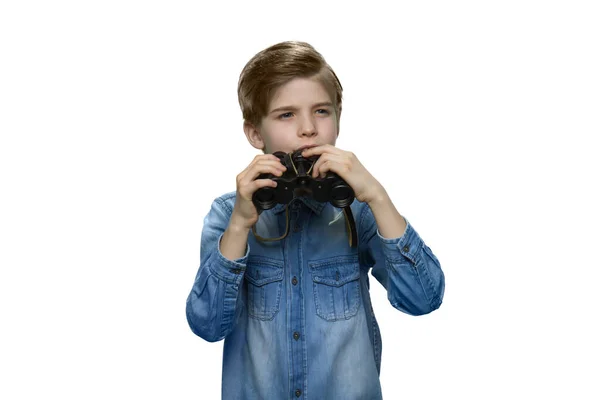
(212,306)
(404,265)
(400,260)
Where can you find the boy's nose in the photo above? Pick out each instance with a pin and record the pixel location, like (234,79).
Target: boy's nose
(309,133)
(308,129)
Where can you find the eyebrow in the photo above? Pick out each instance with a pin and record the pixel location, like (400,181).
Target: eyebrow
(322,104)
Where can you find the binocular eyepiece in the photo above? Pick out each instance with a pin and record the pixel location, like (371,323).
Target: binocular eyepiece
(297,181)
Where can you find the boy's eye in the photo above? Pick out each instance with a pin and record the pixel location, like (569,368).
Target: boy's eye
(289,114)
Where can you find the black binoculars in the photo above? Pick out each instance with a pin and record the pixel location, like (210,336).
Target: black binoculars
(297,181)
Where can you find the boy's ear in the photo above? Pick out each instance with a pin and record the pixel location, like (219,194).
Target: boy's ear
(253,136)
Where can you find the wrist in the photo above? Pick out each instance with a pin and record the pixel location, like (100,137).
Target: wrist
(233,244)
(379,198)
(238,226)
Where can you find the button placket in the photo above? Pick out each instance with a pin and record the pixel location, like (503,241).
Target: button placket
(297,224)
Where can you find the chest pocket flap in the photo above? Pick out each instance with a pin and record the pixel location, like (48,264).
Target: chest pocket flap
(264,277)
(336,275)
(336,287)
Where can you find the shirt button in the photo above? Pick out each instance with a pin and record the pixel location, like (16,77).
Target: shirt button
(405,249)
(297,228)
(237,271)
(298,393)
(296,335)
(294,281)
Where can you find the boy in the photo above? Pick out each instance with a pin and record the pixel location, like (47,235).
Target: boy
(296,313)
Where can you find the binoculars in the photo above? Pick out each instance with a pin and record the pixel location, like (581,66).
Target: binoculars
(297,181)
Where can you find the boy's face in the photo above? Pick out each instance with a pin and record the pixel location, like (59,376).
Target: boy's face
(301,113)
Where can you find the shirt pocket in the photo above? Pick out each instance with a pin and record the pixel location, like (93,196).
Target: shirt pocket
(264,277)
(336,287)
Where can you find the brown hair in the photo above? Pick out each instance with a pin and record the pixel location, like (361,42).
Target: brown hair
(277,65)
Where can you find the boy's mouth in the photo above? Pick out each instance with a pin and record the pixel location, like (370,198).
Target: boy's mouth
(308,146)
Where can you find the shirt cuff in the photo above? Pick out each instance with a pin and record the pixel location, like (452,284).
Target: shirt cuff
(408,245)
(228,270)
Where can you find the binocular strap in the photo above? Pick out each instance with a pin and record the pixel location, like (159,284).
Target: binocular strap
(350,228)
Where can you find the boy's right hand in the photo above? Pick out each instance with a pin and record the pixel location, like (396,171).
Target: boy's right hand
(244,214)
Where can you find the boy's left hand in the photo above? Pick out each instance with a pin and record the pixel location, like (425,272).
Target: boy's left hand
(346,165)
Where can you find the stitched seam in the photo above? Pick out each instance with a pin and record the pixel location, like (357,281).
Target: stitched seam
(353,259)
(435,295)
(361,221)
(429,301)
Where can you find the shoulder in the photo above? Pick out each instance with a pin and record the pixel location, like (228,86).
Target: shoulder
(226,201)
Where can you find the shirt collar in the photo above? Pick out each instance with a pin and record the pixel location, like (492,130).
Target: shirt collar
(311,203)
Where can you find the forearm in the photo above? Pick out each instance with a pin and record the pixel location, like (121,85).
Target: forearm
(212,303)
(234,241)
(404,265)
(389,221)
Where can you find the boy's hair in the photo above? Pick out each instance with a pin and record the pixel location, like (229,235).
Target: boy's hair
(274,67)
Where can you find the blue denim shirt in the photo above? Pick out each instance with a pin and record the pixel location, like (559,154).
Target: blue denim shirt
(296,314)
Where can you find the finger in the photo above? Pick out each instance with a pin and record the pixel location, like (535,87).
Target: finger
(327,162)
(270,159)
(324,148)
(260,183)
(255,160)
(265,167)
(249,190)
(272,167)
(264,158)
(317,168)
(248,173)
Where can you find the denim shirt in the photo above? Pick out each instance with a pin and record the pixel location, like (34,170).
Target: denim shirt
(296,313)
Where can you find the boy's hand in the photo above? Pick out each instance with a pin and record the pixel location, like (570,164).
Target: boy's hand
(244,214)
(346,165)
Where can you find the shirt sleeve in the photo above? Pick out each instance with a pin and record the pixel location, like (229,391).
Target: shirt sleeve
(405,266)
(213,304)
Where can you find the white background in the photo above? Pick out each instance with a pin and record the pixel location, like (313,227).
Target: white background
(120,124)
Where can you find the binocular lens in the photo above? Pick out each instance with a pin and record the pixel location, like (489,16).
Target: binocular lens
(341,196)
(340,193)
(266,198)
